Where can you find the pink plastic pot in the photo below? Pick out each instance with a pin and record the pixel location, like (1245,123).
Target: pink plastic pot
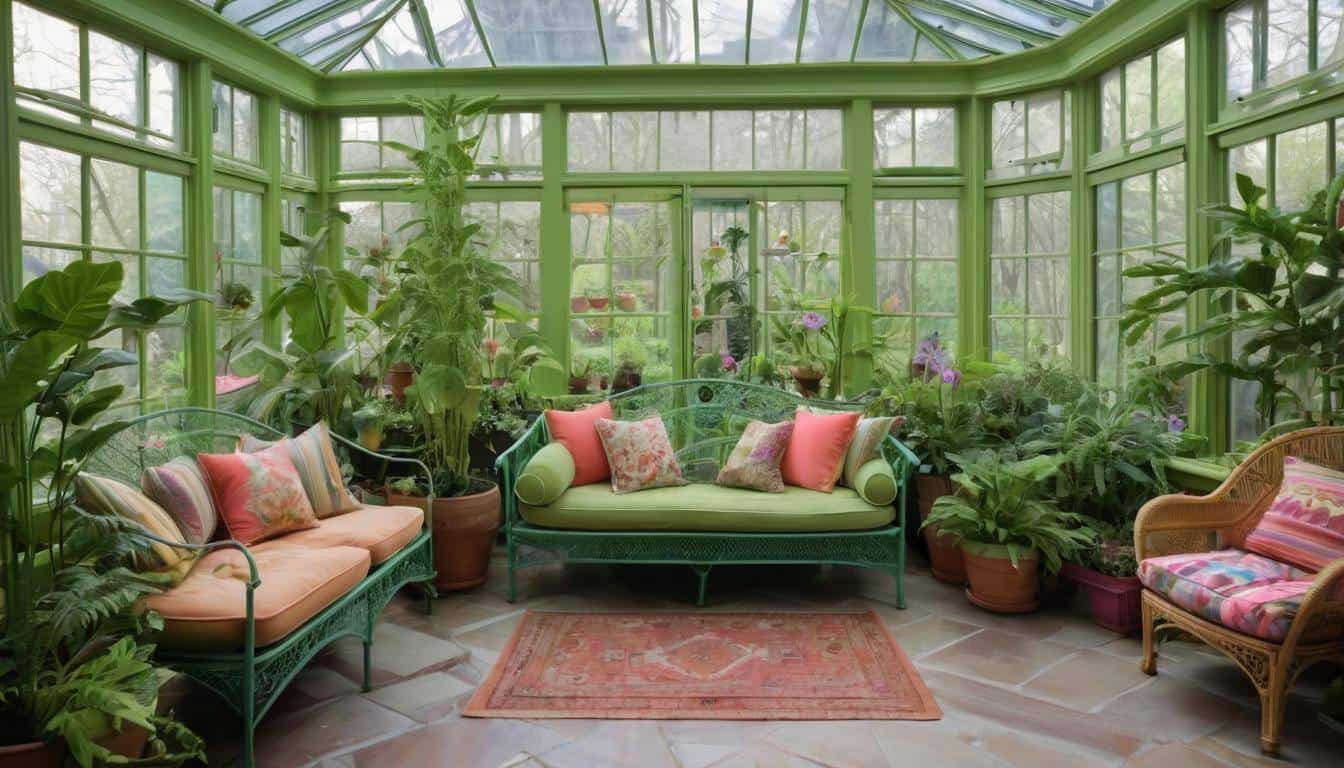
(1114,599)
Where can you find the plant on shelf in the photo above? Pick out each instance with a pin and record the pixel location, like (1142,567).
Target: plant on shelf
(236,296)
(1284,296)
(631,357)
(1008,526)
(313,378)
(449,288)
(731,296)
(73,669)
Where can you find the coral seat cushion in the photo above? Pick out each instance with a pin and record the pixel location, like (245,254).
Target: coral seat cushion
(258,495)
(208,610)
(1242,591)
(1305,523)
(816,453)
(577,431)
(383,531)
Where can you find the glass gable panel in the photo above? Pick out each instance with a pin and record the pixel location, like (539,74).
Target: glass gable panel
(544,32)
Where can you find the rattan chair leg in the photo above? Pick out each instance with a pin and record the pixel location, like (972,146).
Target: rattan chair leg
(1272,701)
(1148,663)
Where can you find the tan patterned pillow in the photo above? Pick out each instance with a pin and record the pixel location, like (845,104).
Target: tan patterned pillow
(866,445)
(640,455)
(754,462)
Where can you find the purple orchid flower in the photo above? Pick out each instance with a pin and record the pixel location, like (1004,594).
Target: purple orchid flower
(931,356)
(952,376)
(1175,423)
(812,321)
(729,364)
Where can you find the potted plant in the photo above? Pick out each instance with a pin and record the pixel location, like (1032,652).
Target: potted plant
(578,305)
(807,365)
(450,289)
(598,300)
(580,376)
(631,357)
(75,677)
(500,422)
(236,296)
(626,301)
(1008,528)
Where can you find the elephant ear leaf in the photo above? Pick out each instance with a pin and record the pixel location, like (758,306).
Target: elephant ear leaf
(438,388)
(74,301)
(30,363)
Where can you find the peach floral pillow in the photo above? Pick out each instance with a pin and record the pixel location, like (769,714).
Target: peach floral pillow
(640,455)
(258,495)
(754,462)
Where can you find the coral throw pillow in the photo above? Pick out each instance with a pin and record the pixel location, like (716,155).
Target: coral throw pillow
(181,489)
(258,495)
(577,431)
(1305,524)
(104,496)
(865,446)
(640,455)
(754,462)
(318,468)
(816,452)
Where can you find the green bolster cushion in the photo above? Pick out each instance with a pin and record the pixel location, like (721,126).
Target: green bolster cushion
(546,476)
(876,483)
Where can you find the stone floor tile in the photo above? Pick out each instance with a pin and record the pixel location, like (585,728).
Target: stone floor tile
(1170,709)
(1027,751)
(324,731)
(931,744)
(321,683)
(615,744)
(833,743)
(426,698)
(997,656)
(489,640)
(1173,756)
(766,756)
(465,742)
(1086,680)
(1084,634)
(1015,712)
(398,653)
(1305,740)
(920,637)
(1232,757)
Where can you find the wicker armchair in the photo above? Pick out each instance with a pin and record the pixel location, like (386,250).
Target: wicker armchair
(1178,524)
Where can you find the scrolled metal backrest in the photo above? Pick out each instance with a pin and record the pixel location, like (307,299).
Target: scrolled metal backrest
(706,417)
(156,438)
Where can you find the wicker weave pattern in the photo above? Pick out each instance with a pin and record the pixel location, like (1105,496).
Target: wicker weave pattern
(1188,524)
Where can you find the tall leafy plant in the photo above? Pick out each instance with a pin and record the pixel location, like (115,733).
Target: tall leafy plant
(448,286)
(69,663)
(1284,300)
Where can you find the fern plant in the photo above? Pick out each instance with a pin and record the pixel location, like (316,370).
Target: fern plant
(1006,504)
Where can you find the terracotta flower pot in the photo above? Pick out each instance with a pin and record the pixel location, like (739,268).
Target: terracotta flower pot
(35,754)
(1115,600)
(945,556)
(996,584)
(598,303)
(578,385)
(808,383)
(464,535)
(578,305)
(625,301)
(399,377)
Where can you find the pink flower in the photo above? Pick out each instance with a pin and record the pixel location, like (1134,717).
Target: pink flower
(812,321)
(952,376)
(491,347)
(729,364)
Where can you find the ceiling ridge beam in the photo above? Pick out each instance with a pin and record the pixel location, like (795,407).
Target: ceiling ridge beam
(936,38)
(426,32)
(480,31)
(1058,9)
(601,32)
(858,31)
(985,21)
(311,19)
(373,32)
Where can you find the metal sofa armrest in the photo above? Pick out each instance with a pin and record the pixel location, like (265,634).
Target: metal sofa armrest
(510,463)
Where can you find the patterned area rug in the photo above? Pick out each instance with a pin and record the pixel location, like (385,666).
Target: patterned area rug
(726,666)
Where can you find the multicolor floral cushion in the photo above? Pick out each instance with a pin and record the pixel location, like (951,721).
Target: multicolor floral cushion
(181,489)
(259,495)
(1240,590)
(865,446)
(1305,524)
(754,462)
(315,460)
(104,496)
(640,455)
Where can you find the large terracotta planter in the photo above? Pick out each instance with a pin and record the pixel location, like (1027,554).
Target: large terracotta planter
(1115,600)
(36,754)
(995,584)
(464,535)
(398,378)
(945,556)
(808,383)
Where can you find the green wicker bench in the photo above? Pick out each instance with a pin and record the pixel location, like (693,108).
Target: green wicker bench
(250,679)
(704,418)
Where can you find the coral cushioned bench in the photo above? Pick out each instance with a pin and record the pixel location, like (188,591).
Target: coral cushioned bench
(246,619)
(701,524)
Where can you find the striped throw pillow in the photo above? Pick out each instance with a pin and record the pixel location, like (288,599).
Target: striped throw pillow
(181,489)
(1304,526)
(104,496)
(865,446)
(315,460)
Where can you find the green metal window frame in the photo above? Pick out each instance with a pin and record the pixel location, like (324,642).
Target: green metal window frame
(1028,256)
(230,155)
(1151,136)
(1317,77)
(914,314)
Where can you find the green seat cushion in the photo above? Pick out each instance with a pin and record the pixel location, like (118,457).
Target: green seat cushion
(546,476)
(705,507)
(875,482)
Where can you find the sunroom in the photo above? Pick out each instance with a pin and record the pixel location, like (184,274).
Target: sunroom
(543,383)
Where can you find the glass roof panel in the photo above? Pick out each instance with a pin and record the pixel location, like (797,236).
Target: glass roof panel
(540,32)
(454,34)
(831,26)
(723,31)
(416,34)
(625,30)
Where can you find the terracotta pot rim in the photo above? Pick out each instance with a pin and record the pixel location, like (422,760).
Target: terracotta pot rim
(996,551)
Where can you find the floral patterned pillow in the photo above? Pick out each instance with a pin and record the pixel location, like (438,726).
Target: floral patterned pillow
(754,462)
(640,455)
(258,495)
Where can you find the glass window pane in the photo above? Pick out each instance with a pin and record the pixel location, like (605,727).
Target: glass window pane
(114,195)
(588,141)
(938,234)
(674,31)
(246,227)
(1287,32)
(779,140)
(359,143)
(114,80)
(1239,50)
(49,192)
(634,141)
(685,141)
(405,129)
(46,52)
(1108,218)
(829,32)
(774,31)
(1329,31)
(164,82)
(1044,121)
(454,33)
(733,135)
(825,142)
(1048,223)
(542,33)
(1007,227)
(1299,170)
(723,31)
(625,30)
(1138,97)
(886,35)
(1170,204)
(1009,138)
(1171,83)
(894,137)
(1136,218)
(165,212)
(935,137)
(895,228)
(1250,160)
(397,44)
(244,126)
(222,98)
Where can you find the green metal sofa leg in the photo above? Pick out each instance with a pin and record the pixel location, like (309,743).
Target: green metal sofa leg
(430,594)
(368,666)
(511,594)
(900,572)
(702,572)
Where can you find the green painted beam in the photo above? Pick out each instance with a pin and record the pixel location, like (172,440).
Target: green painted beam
(859,265)
(555,264)
(970,15)
(11,211)
(201,344)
